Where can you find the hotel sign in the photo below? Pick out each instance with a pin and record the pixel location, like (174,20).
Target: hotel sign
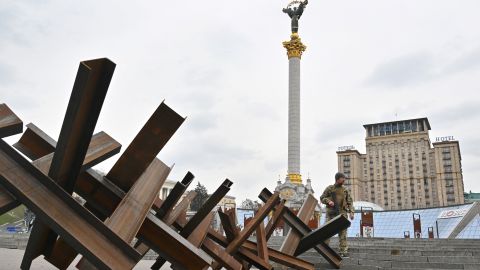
(453,213)
(345,148)
(444,139)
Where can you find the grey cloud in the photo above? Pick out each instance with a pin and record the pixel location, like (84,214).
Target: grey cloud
(202,76)
(329,132)
(467,61)
(405,70)
(17,23)
(461,112)
(6,74)
(201,122)
(421,67)
(274,165)
(211,153)
(259,110)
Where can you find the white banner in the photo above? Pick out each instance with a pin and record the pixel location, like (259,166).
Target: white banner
(453,213)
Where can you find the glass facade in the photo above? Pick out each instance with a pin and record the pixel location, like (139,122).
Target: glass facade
(472,230)
(393,224)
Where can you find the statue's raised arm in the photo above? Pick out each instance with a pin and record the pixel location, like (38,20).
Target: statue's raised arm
(295,11)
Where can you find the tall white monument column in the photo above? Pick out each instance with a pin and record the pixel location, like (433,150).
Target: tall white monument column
(295,48)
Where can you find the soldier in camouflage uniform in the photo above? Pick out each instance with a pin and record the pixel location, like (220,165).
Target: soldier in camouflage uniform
(339,202)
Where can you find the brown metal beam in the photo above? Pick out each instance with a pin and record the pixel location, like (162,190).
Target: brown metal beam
(276,217)
(34,143)
(262,247)
(292,240)
(62,213)
(198,236)
(86,100)
(259,217)
(296,224)
(10,124)
(242,251)
(128,217)
(7,201)
(218,253)
(323,233)
(282,258)
(174,195)
(206,208)
(105,196)
(194,221)
(101,147)
(182,206)
(168,243)
(145,147)
(88,94)
(228,226)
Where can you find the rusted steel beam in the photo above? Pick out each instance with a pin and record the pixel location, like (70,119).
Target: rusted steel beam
(242,252)
(145,147)
(10,124)
(168,243)
(7,201)
(282,258)
(228,226)
(219,255)
(194,221)
(259,217)
(228,221)
(128,217)
(169,218)
(276,217)
(173,215)
(198,236)
(296,224)
(101,195)
(132,210)
(292,240)
(101,147)
(105,196)
(34,143)
(86,100)
(262,248)
(175,195)
(326,231)
(206,208)
(62,213)
(88,94)
(236,244)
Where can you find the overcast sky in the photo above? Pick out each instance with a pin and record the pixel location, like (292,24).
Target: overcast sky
(222,65)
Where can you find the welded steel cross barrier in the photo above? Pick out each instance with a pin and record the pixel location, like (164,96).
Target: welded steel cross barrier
(126,194)
(123,205)
(313,239)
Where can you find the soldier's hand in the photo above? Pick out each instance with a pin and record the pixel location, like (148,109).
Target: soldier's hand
(352,216)
(331,204)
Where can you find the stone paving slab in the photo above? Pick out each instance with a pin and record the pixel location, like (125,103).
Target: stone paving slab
(11,259)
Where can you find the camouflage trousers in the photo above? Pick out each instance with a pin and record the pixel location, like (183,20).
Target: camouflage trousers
(342,236)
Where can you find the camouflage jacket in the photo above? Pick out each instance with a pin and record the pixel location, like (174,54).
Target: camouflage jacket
(345,203)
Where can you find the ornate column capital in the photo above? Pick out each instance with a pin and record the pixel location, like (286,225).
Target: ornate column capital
(295,178)
(294,47)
